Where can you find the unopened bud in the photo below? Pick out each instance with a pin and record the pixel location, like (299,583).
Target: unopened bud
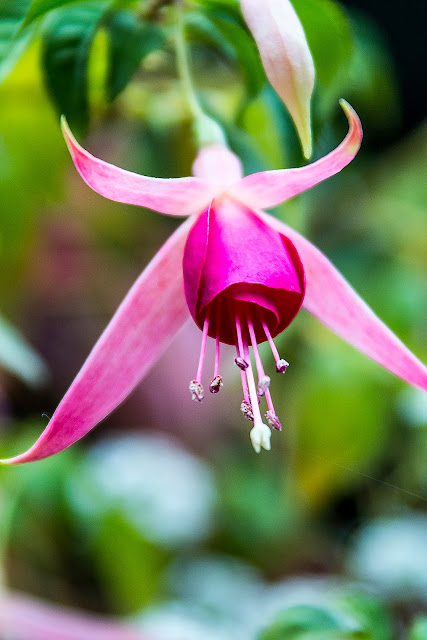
(216,384)
(281,366)
(263,385)
(242,364)
(286,58)
(246,409)
(273,421)
(196,390)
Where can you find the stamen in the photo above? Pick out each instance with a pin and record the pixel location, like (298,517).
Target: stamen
(263,385)
(240,361)
(246,409)
(242,364)
(217,382)
(196,387)
(263,380)
(196,390)
(273,420)
(281,364)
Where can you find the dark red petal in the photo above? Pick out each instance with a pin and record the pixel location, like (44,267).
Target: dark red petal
(233,255)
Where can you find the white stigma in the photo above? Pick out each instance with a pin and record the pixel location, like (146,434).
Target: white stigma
(260,437)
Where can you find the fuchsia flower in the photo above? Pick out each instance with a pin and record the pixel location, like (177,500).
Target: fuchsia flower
(241,273)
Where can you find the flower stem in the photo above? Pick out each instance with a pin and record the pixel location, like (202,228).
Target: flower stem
(183,63)
(206,130)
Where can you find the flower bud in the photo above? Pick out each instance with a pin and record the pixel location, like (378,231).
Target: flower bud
(286,58)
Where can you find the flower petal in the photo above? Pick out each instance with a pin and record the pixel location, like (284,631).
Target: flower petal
(286,58)
(142,327)
(23,617)
(231,254)
(173,196)
(334,302)
(269,188)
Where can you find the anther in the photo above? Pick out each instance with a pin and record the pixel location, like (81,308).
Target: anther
(196,390)
(273,420)
(281,365)
(246,409)
(241,363)
(216,384)
(263,385)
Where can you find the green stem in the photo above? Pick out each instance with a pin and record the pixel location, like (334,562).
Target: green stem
(206,130)
(183,64)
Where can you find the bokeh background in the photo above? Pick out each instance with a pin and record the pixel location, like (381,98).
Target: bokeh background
(164,516)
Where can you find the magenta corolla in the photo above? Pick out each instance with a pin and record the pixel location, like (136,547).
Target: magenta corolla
(242,274)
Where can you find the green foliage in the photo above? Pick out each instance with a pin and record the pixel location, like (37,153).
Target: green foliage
(66,42)
(352,617)
(12,45)
(39,8)
(17,356)
(419,629)
(245,52)
(330,40)
(129,566)
(130,41)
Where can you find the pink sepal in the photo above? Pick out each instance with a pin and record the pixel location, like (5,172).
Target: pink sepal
(23,617)
(173,196)
(334,302)
(142,327)
(270,188)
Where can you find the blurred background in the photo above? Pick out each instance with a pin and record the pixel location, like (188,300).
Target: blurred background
(164,516)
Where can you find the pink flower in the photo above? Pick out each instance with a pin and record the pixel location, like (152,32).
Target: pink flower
(241,273)
(23,617)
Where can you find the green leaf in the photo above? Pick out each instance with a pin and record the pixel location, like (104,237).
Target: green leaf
(18,357)
(330,39)
(419,629)
(12,46)
(309,623)
(66,45)
(130,41)
(228,23)
(39,8)
(370,614)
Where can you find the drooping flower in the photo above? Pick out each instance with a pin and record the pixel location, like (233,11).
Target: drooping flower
(241,273)
(286,58)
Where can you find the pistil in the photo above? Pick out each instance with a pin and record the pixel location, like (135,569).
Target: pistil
(281,364)
(260,434)
(195,386)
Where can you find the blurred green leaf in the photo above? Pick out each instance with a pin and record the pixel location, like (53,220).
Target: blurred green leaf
(39,8)
(330,39)
(310,623)
(232,5)
(130,566)
(370,613)
(66,44)
(372,77)
(229,24)
(419,629)
(17,356)
(130,41)
(12,46)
